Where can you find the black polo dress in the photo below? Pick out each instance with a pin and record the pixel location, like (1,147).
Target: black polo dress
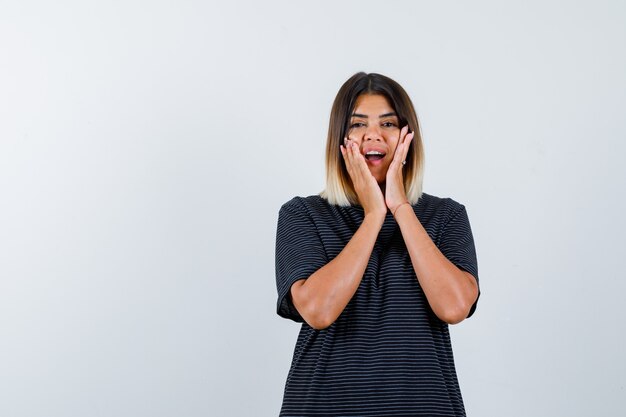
(387,354)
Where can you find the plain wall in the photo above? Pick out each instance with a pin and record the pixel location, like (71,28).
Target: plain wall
(146,147)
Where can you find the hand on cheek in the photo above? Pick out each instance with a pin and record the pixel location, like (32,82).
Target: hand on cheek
(395,194)
(365,185)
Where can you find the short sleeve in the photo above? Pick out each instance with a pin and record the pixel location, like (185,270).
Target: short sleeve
(457,244)
(299,253)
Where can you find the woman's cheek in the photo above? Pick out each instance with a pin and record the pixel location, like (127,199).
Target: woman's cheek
(355,138)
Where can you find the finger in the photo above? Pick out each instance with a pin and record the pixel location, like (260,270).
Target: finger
(343,147)
(360,162)
(346,159)
(354,159)
(398,155)
(407,145)
(403,133)
(352,150)
(345,152)
(395,167)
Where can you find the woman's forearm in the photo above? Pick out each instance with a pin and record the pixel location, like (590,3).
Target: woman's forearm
(322,297)
(450,291)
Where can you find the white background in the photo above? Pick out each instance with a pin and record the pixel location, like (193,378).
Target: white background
(146,147)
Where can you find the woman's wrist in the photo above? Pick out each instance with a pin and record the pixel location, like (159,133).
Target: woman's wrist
(377,219)
(394,211)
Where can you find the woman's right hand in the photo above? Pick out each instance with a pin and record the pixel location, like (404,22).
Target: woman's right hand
(366,187)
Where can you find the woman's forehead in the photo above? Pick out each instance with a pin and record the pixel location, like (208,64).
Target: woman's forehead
(372,104)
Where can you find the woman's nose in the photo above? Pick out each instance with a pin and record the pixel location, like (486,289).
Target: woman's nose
(372,133)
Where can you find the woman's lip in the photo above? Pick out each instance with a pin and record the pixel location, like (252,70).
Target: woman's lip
(375,162)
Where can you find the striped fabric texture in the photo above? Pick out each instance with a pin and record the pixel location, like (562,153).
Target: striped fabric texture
(387,354)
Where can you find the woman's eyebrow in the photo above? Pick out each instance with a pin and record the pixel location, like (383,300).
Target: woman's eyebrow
(380,117)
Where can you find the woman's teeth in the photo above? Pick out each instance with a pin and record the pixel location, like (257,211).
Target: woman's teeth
(374,155)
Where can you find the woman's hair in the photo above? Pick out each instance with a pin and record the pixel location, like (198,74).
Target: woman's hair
(339,189)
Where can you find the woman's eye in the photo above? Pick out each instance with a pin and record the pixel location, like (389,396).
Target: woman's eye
(357,124)
(389,124)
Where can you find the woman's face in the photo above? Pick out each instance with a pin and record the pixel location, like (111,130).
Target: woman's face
(374,126)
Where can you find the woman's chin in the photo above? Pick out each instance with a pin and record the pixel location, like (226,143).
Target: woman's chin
(379,176)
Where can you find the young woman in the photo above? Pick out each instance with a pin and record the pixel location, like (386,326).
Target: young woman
(374,269)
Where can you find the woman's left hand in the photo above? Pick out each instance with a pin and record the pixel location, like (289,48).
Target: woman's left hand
(394,184)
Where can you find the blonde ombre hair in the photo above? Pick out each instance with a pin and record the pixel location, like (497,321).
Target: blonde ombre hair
(339,189)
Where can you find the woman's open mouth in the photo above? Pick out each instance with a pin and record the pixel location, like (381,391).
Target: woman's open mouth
(374,157)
